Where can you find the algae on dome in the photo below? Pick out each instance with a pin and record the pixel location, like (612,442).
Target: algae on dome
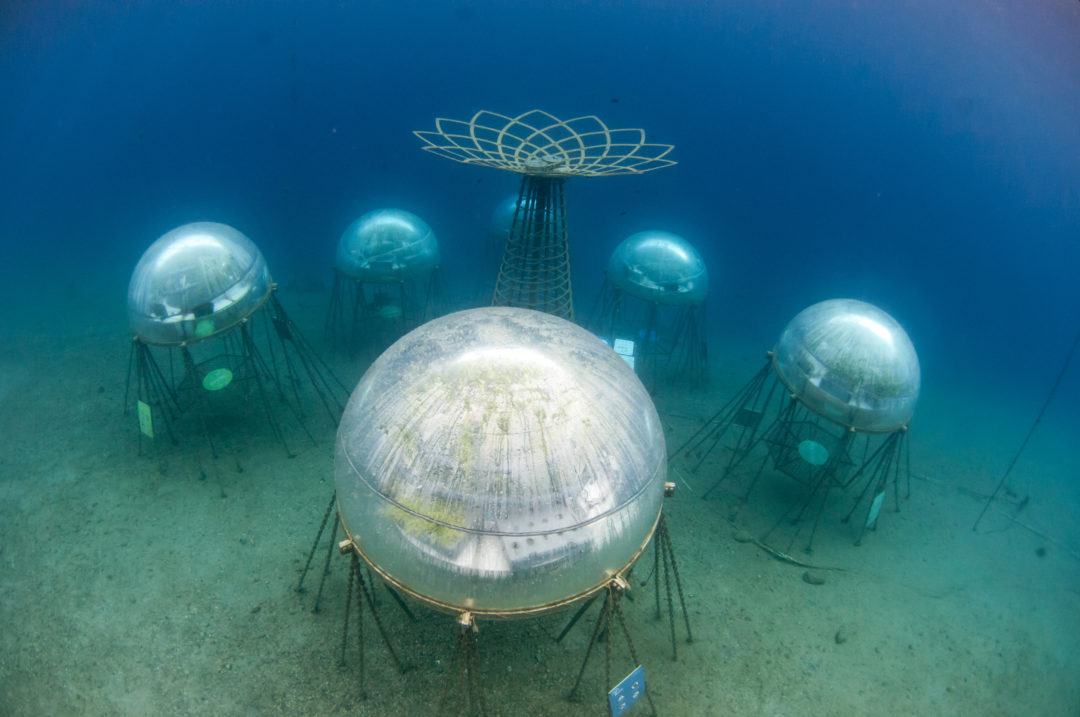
(465,475)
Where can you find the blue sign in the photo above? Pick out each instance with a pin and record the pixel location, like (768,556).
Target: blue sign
(623,695)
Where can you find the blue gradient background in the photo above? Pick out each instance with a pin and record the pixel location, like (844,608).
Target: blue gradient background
(924,156)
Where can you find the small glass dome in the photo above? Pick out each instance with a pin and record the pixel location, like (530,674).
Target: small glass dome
(500,460)
(387,245)
(194,282)
(502,219)
(852,363)
(659,267)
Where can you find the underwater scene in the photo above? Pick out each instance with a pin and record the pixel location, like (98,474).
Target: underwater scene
(540,358)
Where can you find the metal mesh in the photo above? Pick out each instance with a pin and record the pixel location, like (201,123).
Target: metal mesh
(538,143)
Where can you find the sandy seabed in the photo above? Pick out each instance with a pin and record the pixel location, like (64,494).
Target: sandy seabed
(164,583)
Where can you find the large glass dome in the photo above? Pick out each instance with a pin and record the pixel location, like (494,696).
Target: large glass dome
(852,363)
(500,460)
(194,282)
(387,245)
(659,267)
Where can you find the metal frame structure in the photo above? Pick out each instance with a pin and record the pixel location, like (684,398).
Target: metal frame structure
(819,453)
(545,150)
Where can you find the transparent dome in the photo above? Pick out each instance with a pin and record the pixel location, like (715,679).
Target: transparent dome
(194,282)
(387,245)
(500,460)
(502,218)
(852,363)
(659,267)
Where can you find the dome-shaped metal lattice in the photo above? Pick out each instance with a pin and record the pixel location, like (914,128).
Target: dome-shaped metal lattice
(501,461)
(387,245)
(538,143)
(659,267)
(196,281)
(852,363)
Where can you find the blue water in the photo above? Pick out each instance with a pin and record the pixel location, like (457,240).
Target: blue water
(920,155)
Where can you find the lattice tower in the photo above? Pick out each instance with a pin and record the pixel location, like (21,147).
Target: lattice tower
(535,269)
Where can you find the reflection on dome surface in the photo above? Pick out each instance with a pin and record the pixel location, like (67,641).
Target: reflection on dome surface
(197,280)
(500,460)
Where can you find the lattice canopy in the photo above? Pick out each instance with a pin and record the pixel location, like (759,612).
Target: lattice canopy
(537,143)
